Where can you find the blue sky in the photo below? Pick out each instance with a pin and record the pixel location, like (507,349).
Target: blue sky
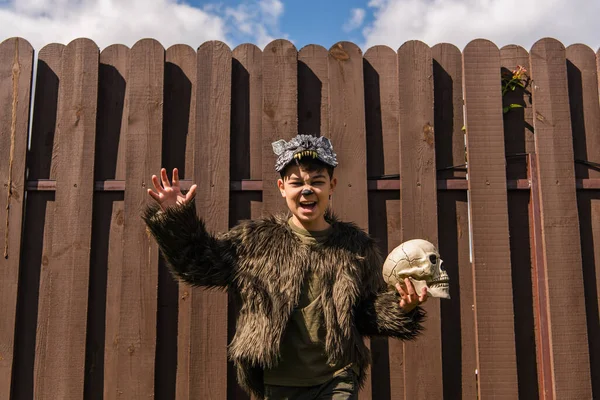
(364,22)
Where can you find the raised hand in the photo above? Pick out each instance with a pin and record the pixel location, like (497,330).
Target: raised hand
(409,299)
(169,194)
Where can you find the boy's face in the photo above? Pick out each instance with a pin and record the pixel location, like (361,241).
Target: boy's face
(308,209)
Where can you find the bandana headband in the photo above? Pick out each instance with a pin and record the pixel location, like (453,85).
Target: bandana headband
(304,146)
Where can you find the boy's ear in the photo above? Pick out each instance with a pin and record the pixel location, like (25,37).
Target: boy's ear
(333,183)
(280,186)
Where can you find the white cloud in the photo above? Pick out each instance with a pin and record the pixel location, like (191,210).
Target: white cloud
(501,21)
(257,21)
(127,21)
(356,19)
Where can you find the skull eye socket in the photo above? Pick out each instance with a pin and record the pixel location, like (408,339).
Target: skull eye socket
(433,259)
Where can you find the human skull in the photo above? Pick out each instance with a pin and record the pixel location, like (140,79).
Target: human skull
(420,261)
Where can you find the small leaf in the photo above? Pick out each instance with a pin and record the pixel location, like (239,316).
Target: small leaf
(515,106)
(505,109)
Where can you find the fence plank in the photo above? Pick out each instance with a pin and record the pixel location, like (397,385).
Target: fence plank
(418,208)
(313,91)
(245,157)
(39,211)
(489,220)
(560,226)
(172,378)
(518,142)
(60,355)
(589,220)
(135,342)
(280,113)
(347,125)
(458,333)
(208,332)
(111,137)
(381,118)
(107,219)
(16,66)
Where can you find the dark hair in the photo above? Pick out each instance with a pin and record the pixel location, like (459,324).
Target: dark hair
(309,164)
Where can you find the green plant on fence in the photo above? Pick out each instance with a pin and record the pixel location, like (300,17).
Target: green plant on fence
(511,80)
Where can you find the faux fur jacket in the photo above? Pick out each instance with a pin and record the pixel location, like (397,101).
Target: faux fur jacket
(263,264)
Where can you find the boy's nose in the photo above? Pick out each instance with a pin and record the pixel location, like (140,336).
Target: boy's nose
(307,192)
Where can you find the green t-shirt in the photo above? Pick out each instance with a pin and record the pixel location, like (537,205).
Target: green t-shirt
(303,359)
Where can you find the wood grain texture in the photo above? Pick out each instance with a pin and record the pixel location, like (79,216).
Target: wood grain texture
(246,125)
(313,91)
(381,120)
(559,221)
(16,66)
(279,114)
(62,314)
(208,330)
(179,132)
(418,206)
(347,126)
(458,320)
(135,339)
(113,115)
(38,218)
(489,221)
(518,143)
(107,220)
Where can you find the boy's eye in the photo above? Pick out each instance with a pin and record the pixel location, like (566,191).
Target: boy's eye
(318,183)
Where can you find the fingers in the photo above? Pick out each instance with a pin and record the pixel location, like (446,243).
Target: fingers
(164,178)
(423,297)
(191,193)
(408,296)
(175,177)
(154,195)
(157,184)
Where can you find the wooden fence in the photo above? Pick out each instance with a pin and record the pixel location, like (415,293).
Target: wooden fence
(88,309)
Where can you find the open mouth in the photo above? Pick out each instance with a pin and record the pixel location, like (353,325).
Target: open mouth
(308,205)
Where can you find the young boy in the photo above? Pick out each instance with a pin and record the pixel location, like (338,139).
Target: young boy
(309,287)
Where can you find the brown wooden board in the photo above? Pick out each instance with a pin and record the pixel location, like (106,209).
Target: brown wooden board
(62,314)
(111,138)
(245,158)
(38,217)
(107,221)
(313,91)
(347,134)
(279,114)
(16,66)
(589,220)
(246,128)
(381,120)
(495,337)
(135,339)
(418,206)
(173,353)
(208,328)
(559,220)
(582,70)
(518,142)
(458,334)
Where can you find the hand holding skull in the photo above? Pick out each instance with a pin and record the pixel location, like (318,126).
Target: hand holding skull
(416,264)
(409,298)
